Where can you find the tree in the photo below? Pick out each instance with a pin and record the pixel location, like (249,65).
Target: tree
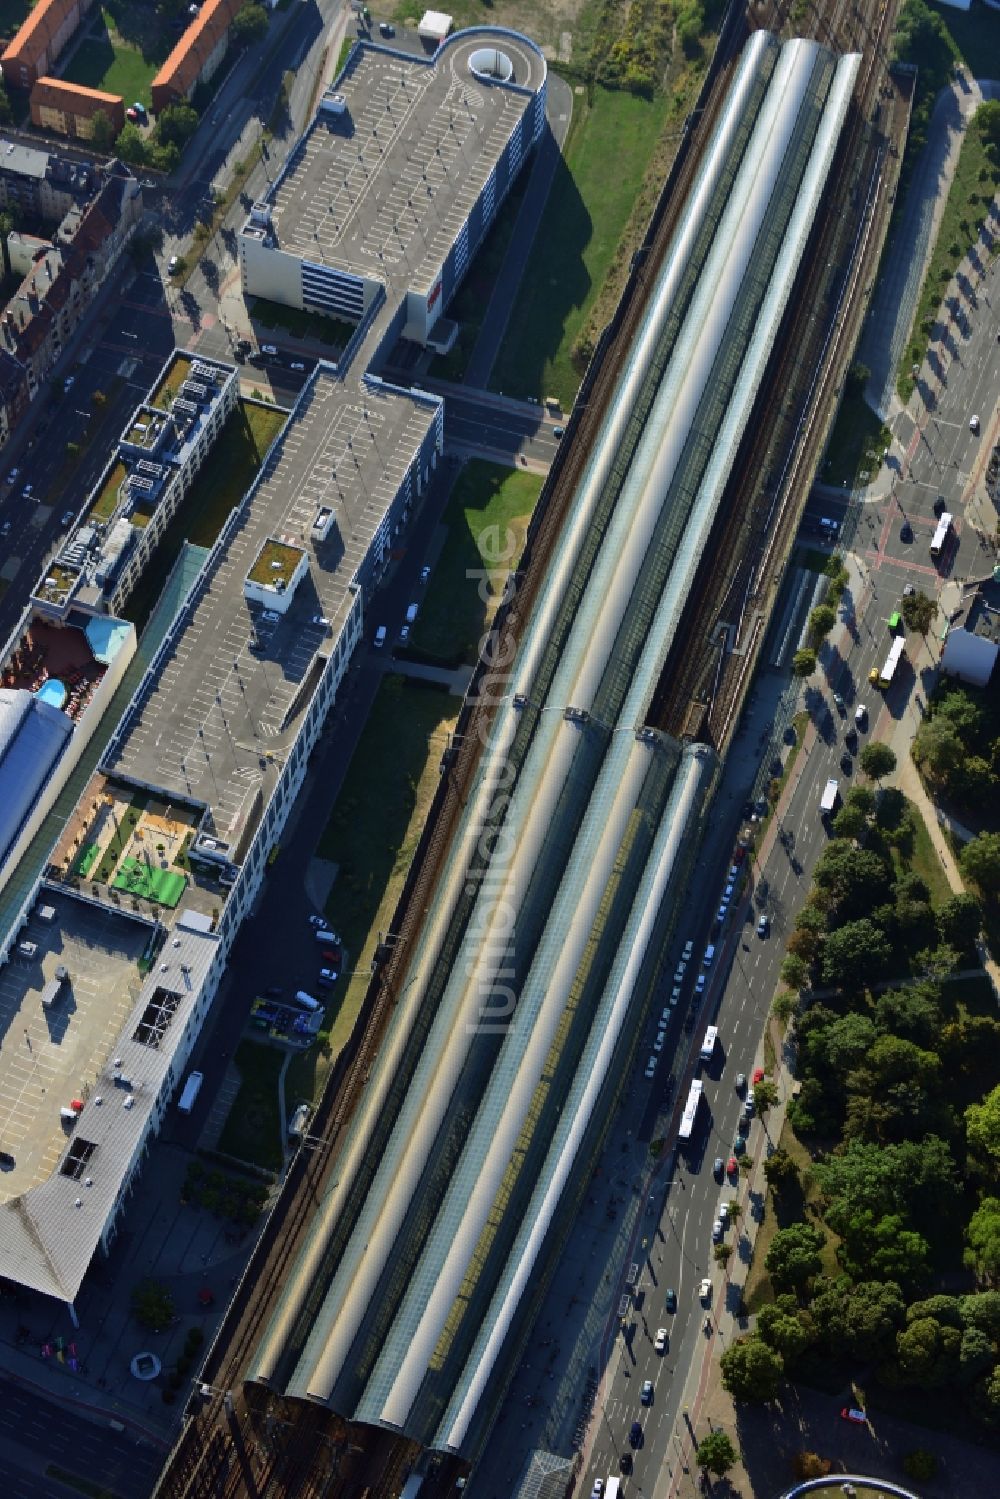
(850,822)
(177,123)
(847,1042)
(152,1305)
(716,1454)
(927,1353)
(862,797)
(982,1131)
(960,921)
(884,1249)
(785,1006)
(937,748)
(857,378)
(808,1465)
(912,1013)
(804,663)
(249,25)
(936,962)
(975,1354)
(860,1321)
(805,944)
(130,146)
(781,1325)
(103,131)
(821,622)
(982,1310)
(857,880)
(751,1371)
(795,973)
(877,760)
(987,119)
(765,1095)
(919,612)
(980,861)
(855,954)
(781,1172)
(794,1256)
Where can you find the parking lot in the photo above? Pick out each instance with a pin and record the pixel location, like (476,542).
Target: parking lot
(48,1057)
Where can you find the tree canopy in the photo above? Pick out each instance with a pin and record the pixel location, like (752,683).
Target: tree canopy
(716,1454)
(751,1371)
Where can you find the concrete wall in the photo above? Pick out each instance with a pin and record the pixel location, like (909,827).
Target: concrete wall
(270,273)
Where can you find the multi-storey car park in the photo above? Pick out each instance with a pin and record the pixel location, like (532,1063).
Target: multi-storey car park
(454,1155)
(143,784)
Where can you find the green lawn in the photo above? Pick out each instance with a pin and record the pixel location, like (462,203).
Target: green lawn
(301,324)
(856,444)
(115,67)
(367,834)
(611,142)
(253,1129)
(487,517)
(972,190)
(223,481)
(922,860)
(473,297)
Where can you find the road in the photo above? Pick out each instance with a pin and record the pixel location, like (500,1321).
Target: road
(34,1434)
(579,1371)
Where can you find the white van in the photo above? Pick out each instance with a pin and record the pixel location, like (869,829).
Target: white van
(411,614)
(706,961)
(380,635)
(306,1000)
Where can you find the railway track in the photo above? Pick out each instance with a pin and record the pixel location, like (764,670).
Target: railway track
(255,1442)
(706,680)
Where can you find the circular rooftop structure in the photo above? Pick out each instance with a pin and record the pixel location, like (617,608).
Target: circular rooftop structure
(491,64)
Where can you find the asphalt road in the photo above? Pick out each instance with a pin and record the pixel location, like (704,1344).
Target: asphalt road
(36,1432)
(936,465)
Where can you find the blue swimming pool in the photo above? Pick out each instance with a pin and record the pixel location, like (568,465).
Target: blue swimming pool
(53,691)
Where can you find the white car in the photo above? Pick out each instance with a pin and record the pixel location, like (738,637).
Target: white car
(716,1230)
(724,1213)
(380,635)
(665,1018)
(973,424)
(296,366)
(661,1340)
(679,972)
(651,1068)
(675,994)
(268,349)
(5,528)
(425,573)
(68,383)
(318,921)
(172,265)
(688,950)
(12,476)
(705,1291)
(699,984)
(661,1036)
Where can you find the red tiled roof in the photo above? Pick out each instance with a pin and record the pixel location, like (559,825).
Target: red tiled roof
(185,62)
(31,40)
(73,98)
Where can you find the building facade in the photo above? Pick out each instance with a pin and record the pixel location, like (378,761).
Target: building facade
(44,35)
(70,109)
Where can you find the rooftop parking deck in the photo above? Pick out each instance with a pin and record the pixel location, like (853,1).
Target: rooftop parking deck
(49,1057)
(382,188)
(227,701)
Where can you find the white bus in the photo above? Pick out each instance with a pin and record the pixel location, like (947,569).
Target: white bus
(708,1045)
(884,677)
(690,1113)
(941,534)
(612,1487)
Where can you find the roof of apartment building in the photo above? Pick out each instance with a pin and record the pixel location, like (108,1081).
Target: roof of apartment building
(47,287)
(183,66)
(32,39)
(73,98)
